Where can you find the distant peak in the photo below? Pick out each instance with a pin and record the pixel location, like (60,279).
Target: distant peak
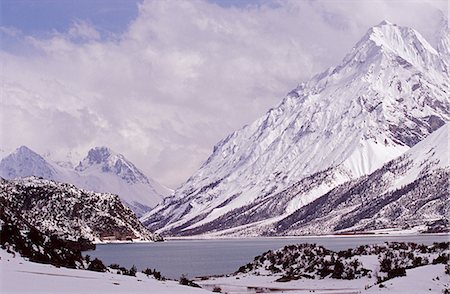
(385,22)
(99,154)
(25,162)
(101,149)
(24,149)
(110,162)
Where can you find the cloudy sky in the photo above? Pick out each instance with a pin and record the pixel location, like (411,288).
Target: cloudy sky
(162,81)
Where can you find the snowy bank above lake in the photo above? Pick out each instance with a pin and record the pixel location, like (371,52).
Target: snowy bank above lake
(18,275)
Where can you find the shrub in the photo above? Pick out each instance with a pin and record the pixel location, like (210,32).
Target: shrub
(147,272)
(131,272)
(338,270)
(97,266)
(186,282)
(442,258)
(385,264)
(158,276)
(397,272)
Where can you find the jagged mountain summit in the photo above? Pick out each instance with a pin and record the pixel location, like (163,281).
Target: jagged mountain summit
(102,170)
(389,93)
(107,161)
(69,212)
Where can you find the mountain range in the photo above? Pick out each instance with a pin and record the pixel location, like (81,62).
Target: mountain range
(360,147)
(340,152)
(102,170)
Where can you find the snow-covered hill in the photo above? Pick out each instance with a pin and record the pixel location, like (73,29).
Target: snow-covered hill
(69,212)
(393,267)
(101,171)
(389,92)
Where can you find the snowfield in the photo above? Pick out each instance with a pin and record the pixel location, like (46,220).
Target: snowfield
(425,279)
(17,275)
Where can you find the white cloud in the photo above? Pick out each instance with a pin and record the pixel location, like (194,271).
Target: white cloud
(10,31)
(184,75)
(82,30)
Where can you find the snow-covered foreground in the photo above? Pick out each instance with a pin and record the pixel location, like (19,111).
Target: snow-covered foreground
(425,279)
(17,275)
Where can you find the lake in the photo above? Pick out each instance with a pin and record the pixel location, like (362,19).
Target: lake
(195,258)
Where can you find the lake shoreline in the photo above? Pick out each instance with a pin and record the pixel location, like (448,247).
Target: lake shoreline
(211,257)
(365,235)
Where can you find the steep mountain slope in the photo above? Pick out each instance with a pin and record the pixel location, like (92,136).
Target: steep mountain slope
(63,209)
(101,171)
(412,190)
(444,39)
(388,94)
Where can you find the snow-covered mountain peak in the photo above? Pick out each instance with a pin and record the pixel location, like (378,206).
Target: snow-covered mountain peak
(25,150)
(110,162)
(392,42)
(388,94)
(24,162)
(102,170)
(98,155)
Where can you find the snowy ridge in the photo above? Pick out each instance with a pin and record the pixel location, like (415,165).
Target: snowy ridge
(101,171)
(65,210)
(388,94)
(409,191)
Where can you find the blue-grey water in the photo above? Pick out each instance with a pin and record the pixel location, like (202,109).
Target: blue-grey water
(195,258)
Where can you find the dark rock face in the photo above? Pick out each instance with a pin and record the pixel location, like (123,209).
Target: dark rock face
(98,155)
